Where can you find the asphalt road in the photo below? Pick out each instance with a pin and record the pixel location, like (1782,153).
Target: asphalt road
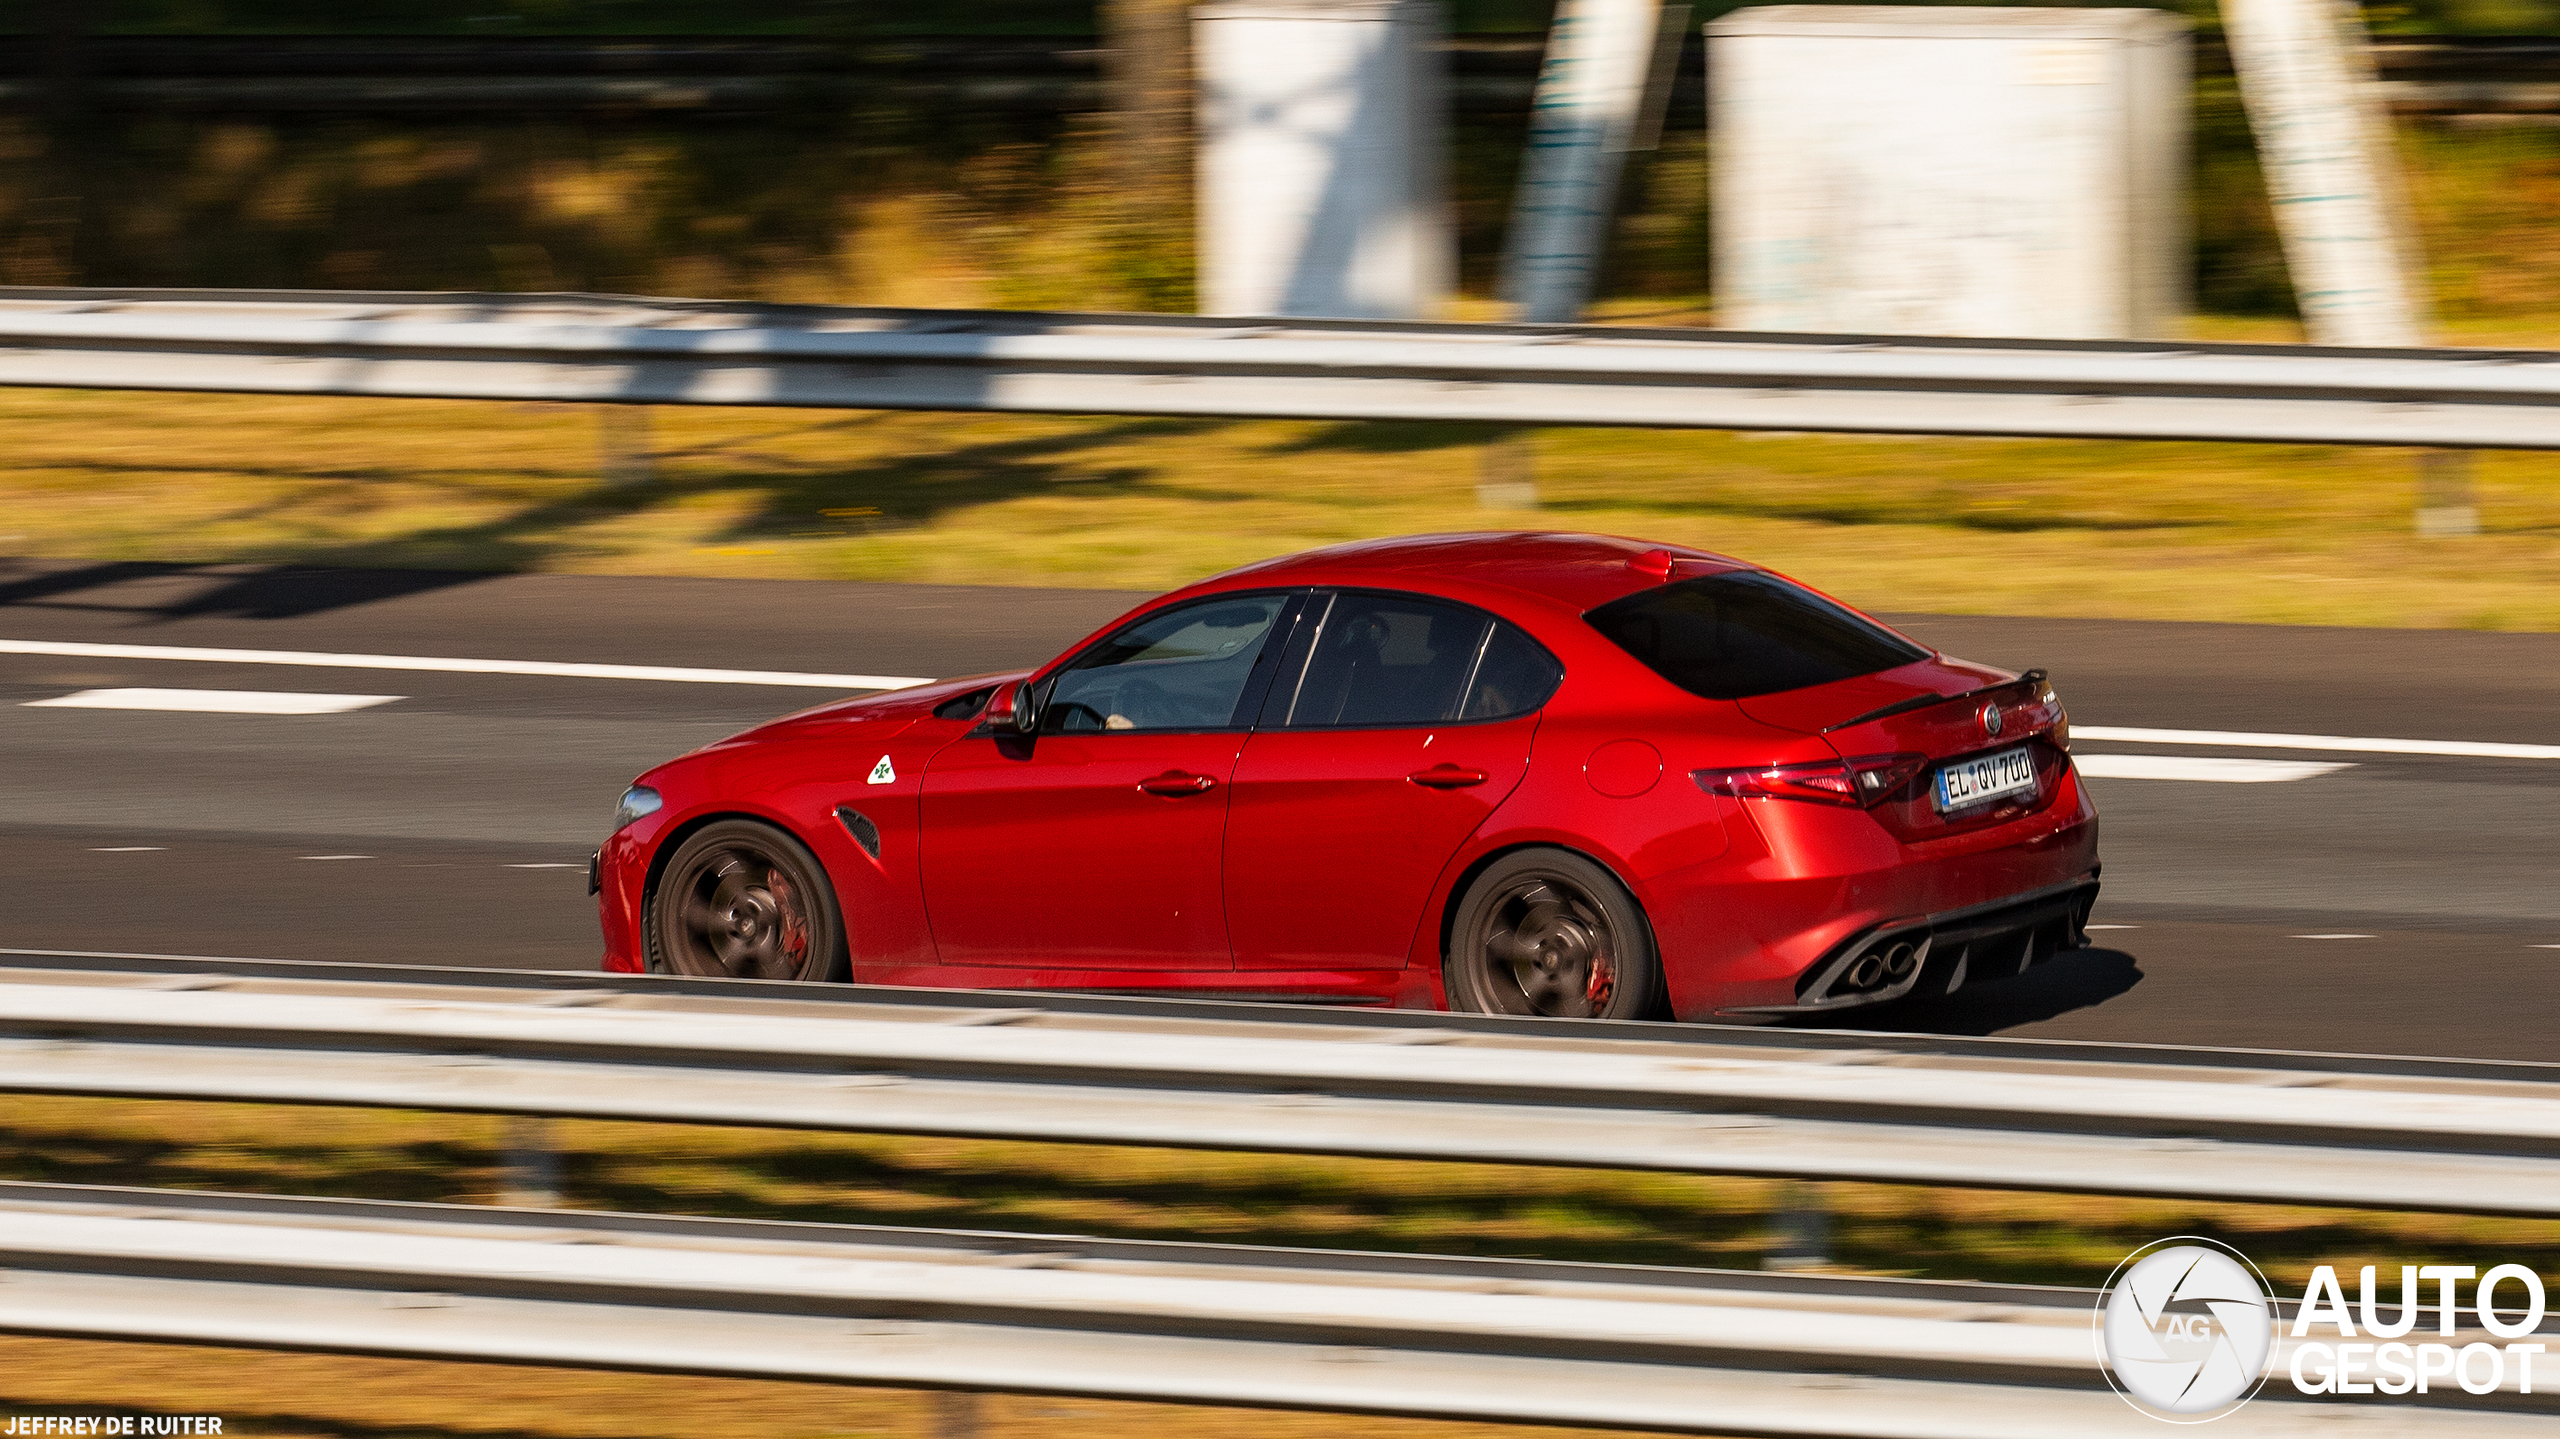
(452,825)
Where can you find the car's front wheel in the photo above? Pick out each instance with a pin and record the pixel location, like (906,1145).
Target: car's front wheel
(1544,931)
(742,900)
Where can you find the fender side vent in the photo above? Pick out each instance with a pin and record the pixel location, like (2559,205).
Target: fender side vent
(859,825)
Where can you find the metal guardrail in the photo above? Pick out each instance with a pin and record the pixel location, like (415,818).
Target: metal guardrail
(639,351)
(1498,1339)
(2414,1134)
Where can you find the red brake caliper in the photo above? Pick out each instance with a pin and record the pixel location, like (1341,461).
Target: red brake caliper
(1604,978)
(795,925)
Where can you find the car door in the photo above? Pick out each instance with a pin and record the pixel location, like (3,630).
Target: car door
(1093,844)
(1398,723)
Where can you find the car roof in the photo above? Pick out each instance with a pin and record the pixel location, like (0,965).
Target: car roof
(1569,571)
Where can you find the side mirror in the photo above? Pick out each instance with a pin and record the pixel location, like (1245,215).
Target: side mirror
(1014,707)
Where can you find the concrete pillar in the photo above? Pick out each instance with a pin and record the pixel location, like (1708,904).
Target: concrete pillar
(1322,139)
(1589,108)
(2324,145)
(1949,170)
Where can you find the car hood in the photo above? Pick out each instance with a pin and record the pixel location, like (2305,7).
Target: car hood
(902,707)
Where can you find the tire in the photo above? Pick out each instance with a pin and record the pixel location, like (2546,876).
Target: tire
(743,900)
(1548,932)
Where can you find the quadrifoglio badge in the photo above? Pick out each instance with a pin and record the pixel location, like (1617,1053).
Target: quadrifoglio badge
(2189,1330)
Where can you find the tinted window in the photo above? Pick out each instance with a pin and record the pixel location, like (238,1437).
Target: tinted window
(1183,668)
(1514,677)
(1730,637)
(1379,660)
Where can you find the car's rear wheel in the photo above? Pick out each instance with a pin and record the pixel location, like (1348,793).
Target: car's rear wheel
(742,900)
(1543,931)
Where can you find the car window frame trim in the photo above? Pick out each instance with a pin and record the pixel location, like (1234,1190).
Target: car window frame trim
(1293,600)
(1332,593)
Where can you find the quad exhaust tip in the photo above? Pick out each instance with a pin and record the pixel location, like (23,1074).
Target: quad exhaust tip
(1883,965)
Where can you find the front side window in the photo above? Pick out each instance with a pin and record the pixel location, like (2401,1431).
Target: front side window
(1734,636)
(1185,668)
(1380,660)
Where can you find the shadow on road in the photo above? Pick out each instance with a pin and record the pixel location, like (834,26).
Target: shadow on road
(2079,979)
(163,593)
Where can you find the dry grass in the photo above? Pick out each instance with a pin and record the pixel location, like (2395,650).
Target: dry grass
(263,1395)
(2286,534)
(1411,1206)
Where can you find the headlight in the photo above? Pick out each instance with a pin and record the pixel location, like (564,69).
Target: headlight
(636,801)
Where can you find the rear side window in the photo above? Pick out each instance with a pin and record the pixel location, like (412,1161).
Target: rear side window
(1514,677)
(1377,660)
(1733,636)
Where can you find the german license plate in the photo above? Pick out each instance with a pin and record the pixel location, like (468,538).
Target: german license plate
(1987,778)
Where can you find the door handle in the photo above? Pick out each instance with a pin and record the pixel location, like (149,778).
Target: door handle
(1174,784)
(1447,776)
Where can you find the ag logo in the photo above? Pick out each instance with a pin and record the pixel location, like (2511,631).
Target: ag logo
(2185,1329)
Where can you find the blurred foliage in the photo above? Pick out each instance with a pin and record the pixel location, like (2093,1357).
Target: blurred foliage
(644,17)
(2239,267)
(579,17)
(926,203)
(965,208)
(978,17)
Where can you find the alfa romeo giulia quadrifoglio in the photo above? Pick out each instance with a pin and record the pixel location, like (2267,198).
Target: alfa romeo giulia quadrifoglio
(1550,774)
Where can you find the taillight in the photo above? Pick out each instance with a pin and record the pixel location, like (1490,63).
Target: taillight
(1856,783)
(2048,710)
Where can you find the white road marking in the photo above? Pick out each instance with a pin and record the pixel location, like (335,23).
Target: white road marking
(2333,936)
(2203,767)
(225,702)
(128,849)
(2342,744)
(2111,926)
(336,856)
(546,866)
(674,674)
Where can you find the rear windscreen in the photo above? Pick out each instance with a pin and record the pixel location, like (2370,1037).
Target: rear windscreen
(1733,636)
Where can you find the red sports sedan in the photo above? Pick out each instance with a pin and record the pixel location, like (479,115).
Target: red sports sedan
(1521,773)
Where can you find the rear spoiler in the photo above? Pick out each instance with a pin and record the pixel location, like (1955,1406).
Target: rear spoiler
(1921,702)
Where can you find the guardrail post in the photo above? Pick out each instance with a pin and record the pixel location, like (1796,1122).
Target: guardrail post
(2447,506)
(1803,1228)
(531,1166)
(622,444)
(1507,475)
(958,1414)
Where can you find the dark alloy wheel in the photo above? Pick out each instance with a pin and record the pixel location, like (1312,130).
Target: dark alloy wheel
(741,900)
(1547,932)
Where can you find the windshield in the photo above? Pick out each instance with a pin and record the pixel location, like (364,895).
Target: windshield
(1734,636)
